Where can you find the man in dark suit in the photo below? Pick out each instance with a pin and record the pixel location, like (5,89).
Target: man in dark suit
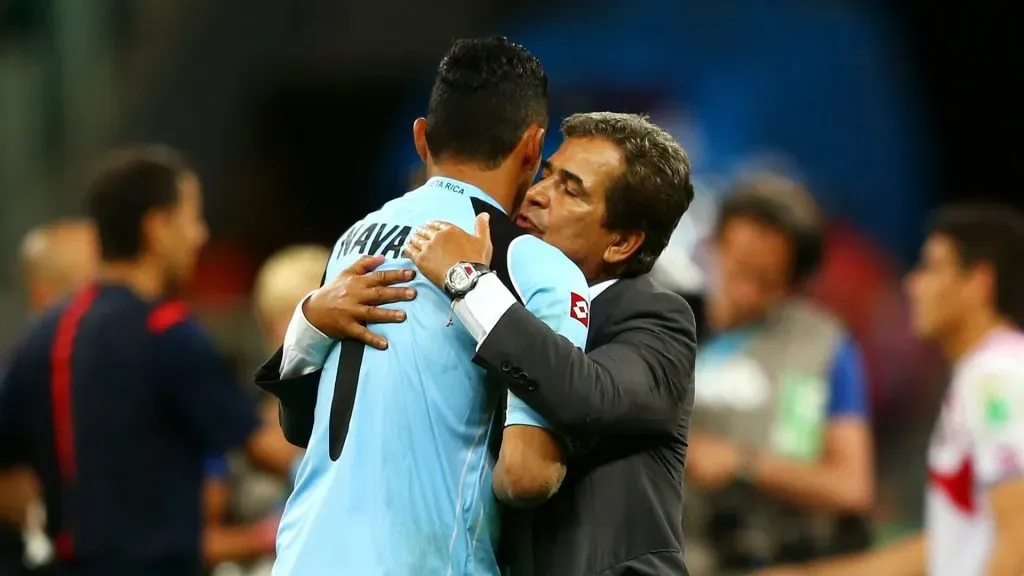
(610,198)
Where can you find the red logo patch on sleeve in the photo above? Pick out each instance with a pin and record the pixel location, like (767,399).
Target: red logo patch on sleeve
(166,316)
(579,308)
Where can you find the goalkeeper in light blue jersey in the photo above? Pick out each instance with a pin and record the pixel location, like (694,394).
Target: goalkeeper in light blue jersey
(397,477)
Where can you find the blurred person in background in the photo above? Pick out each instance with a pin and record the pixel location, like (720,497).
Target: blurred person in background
(287,277)
(780,449)
(227,543)
(117,395)
(967,295)
(246,493)
(56,259)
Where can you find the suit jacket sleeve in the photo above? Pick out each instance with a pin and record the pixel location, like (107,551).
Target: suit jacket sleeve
(638,382)
(297,398)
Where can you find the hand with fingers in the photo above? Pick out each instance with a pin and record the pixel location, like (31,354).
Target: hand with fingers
(437,246)
(343,306)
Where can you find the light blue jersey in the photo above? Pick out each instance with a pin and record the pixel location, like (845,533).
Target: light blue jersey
(410,493)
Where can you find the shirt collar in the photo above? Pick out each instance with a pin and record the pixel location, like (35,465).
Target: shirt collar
(596,289)
(459,187)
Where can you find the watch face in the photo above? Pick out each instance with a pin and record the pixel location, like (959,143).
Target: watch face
(460,277)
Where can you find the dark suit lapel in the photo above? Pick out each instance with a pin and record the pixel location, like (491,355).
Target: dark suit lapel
(601,309)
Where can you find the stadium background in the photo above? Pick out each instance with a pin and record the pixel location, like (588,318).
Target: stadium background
(297,115)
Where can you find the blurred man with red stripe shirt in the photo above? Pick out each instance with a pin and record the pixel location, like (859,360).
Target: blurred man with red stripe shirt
(116,397)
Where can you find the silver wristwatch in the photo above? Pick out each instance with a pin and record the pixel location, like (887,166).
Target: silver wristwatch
(462,277)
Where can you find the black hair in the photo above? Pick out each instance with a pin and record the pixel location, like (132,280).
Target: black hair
(131,183)
(785,205)
(991,234)
(487,92)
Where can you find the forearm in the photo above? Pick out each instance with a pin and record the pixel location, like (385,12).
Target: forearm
(271,451)
(530,467)
(1006,558)
(817,485)
(518,491)
(905,558)
(18,489)
(232,544)
(268,448)
(580,395)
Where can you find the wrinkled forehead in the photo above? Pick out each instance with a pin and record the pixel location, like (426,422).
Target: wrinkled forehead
(594,163)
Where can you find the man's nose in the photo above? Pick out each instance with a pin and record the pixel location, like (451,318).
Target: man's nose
(538,196)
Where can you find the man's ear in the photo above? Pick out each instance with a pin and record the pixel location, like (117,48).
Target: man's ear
(155,225)
(983,280)
(39,294)
(419,137)
(623,246)
(532,145)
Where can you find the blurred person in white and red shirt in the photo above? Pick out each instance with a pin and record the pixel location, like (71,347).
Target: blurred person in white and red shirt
(967,295)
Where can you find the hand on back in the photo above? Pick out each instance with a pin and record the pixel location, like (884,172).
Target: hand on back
(343,306)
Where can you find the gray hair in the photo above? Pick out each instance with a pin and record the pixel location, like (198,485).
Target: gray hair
(654,190)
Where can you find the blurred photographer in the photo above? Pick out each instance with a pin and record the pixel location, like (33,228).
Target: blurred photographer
(780,461)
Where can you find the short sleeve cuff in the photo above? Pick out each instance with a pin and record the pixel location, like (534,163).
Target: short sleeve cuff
(305,348)
(484,306)
(519,414)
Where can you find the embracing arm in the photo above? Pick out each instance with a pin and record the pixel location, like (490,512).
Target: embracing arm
(904,558)
(339,309)
(637,383)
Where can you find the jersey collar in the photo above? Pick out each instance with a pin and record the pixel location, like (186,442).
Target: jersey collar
(459,187)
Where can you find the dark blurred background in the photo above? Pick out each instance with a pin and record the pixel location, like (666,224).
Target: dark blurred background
(298,116)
